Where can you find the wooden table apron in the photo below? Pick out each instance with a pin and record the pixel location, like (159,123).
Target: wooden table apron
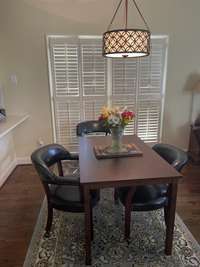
(134,171)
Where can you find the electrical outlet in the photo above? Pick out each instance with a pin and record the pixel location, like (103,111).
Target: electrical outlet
(40,142)
(14,79)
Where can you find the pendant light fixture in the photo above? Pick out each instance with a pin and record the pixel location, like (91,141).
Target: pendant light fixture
(127,42)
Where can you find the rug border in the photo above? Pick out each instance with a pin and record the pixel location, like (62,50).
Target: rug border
(189,236)
(37,231)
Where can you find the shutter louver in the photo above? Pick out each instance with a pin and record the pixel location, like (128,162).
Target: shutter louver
(94,78)
(94,68)
(67,117)
(79,80)
(149,97)
(92,108)
(66,89)
(148,119)
(124,85)
(66,70)
(65,67)
(124,77)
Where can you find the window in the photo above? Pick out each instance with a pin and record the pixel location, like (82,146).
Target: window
(82,81)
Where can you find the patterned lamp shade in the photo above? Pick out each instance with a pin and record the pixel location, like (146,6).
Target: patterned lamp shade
(126,43)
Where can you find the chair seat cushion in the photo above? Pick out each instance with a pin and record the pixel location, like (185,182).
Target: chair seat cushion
(147,197)
(69,198)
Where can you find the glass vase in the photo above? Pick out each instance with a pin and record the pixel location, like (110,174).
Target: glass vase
(116,134)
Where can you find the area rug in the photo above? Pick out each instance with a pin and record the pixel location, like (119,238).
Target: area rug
(65,247)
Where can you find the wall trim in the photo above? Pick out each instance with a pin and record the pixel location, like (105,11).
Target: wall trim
(23,160)
(5,174)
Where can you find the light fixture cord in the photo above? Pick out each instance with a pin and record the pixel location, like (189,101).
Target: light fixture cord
(126,15)
(114,15)
(141,15)
(126,22)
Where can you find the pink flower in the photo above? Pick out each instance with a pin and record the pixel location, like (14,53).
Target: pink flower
(128,115)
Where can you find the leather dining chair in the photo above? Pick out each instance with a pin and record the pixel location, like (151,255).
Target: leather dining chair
(63,192)
(90,127)
(152,197)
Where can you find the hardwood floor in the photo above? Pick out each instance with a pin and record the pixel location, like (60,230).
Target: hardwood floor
(21,197)
(188,204)
(20,200)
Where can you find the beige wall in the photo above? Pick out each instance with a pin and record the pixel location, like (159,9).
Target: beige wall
(24,24)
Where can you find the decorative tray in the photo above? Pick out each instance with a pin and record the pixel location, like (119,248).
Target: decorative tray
(127,150)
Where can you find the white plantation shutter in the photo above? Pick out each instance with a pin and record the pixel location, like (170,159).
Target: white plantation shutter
(92,108)
(78,84)
(94,68)
(82,81)
(64,56)
(138,85)
(93,77)
(65,80)
(150,92)
(124,86)
(68,114)
(148,119)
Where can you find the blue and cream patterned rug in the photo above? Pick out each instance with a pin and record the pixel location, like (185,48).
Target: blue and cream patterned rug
(65,247)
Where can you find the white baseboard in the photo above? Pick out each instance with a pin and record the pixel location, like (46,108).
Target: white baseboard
(5,174)
(23,160)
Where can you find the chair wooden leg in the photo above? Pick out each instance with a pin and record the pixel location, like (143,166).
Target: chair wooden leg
(91,221)
(49,221)
(87,208)
(171,210)
(127,222)
(165,215)
(116,197)
(128,209)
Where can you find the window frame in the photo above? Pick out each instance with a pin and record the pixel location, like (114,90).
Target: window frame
(109,77)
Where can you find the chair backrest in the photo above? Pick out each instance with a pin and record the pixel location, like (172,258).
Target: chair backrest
(47,156)
(93,126)
(173,155)
(197,133)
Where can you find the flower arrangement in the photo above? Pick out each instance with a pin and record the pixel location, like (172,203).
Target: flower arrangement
(116,117)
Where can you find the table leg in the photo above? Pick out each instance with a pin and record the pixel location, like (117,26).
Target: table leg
(128,206)
(86,194)
(170,218)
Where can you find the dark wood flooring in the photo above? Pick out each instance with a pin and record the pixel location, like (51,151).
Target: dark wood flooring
(21,197)
(20,200)
(188,205)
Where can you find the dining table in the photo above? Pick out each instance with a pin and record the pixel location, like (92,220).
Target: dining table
(145,169)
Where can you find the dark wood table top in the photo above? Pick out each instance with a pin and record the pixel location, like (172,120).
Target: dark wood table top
(148,168)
